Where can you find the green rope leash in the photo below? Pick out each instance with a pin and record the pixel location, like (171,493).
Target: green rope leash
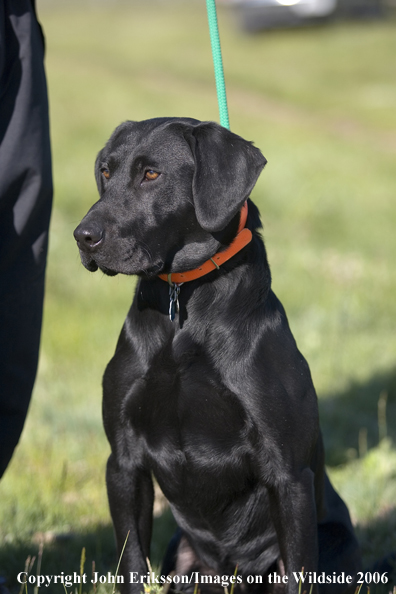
(217,62)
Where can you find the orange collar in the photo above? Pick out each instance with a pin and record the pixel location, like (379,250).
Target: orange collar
(243,237)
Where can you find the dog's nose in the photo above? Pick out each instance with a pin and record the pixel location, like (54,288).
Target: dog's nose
(89,237)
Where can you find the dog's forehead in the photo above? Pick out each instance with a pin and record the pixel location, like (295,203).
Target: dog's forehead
(160,141)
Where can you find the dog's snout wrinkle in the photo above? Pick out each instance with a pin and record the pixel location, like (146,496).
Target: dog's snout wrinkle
(89,237)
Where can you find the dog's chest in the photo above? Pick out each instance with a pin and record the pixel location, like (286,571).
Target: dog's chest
(191,425)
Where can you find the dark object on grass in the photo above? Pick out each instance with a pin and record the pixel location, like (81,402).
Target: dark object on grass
(25,208)
(219,405)
(258,15)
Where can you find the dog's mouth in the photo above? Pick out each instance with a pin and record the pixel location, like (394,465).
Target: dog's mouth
(100,250)
(108,271)
(93,265)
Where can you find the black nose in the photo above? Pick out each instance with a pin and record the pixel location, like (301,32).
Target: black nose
(89,236)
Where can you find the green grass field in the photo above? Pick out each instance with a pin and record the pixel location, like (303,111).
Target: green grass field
(320,103)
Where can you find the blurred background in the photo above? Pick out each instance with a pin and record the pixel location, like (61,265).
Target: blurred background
(318,97)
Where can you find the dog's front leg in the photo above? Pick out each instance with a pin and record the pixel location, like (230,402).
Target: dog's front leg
(292,504)
(131,495)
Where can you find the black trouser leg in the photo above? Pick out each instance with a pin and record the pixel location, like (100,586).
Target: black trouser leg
(25,207)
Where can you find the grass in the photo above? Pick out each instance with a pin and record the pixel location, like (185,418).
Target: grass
(319,102)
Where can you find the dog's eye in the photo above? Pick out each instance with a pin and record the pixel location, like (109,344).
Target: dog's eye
(105,172)
(150,175)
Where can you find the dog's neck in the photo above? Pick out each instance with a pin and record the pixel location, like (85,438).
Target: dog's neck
(176,279)
(243,237)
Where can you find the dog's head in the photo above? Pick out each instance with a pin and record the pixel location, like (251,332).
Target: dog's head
(170,194)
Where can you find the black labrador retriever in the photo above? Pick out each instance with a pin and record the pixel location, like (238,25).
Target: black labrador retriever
(207,390)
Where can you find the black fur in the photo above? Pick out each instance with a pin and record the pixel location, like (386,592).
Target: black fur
(219,405)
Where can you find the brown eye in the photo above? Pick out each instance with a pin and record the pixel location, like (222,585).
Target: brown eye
(150,175)
(106,172)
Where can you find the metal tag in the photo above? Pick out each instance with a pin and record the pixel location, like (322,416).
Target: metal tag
(174,291)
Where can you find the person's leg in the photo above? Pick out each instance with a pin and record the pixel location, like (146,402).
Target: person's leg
(25,206)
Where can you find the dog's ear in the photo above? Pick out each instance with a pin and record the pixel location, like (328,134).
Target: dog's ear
(226,170)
